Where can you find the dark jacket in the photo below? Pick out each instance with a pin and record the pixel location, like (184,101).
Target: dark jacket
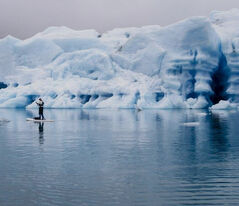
(40,104)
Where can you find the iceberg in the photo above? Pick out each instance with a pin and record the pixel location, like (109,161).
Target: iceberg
(190,64)
(223,105)
(226,24)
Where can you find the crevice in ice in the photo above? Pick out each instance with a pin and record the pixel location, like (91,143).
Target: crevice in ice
(94,97)
(121,94)
(120,49)
(106,95)
(187,71)
(84,98)
(53,95)
(91,71)
(55,57)
(220,81)
(73,96)
(15,84)
(137,97)
(158,96)
(3,85)
(31,98)
(127,35)
(233,48)
(190,84)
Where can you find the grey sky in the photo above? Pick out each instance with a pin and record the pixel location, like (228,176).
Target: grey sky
(23,18)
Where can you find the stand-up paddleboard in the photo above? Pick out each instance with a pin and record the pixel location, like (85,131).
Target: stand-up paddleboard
(39,120)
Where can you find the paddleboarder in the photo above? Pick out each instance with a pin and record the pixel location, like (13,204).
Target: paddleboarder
(40,104)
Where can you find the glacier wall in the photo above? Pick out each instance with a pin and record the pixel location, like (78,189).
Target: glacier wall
(190,64)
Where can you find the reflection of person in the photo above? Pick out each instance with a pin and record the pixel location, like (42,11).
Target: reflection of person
(40,104)
(41,132)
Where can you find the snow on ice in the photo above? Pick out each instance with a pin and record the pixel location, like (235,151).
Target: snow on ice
(190,64)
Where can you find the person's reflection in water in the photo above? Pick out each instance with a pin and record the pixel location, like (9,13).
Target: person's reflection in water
(41,132)
(84,115)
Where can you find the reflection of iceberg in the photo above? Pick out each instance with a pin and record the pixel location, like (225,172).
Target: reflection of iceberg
(191,124)
(190,64)
(2,120)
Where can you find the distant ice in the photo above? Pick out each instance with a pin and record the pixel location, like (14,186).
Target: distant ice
(225,105)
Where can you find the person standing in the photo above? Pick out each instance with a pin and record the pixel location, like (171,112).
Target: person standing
(40,104)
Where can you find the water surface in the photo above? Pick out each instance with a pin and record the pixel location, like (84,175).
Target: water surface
(119,157)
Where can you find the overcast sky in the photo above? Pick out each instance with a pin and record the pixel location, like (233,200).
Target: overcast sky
(23,18)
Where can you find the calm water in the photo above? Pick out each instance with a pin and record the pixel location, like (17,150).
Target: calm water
(107,158)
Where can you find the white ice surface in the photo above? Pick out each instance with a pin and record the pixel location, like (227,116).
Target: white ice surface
(184,65)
